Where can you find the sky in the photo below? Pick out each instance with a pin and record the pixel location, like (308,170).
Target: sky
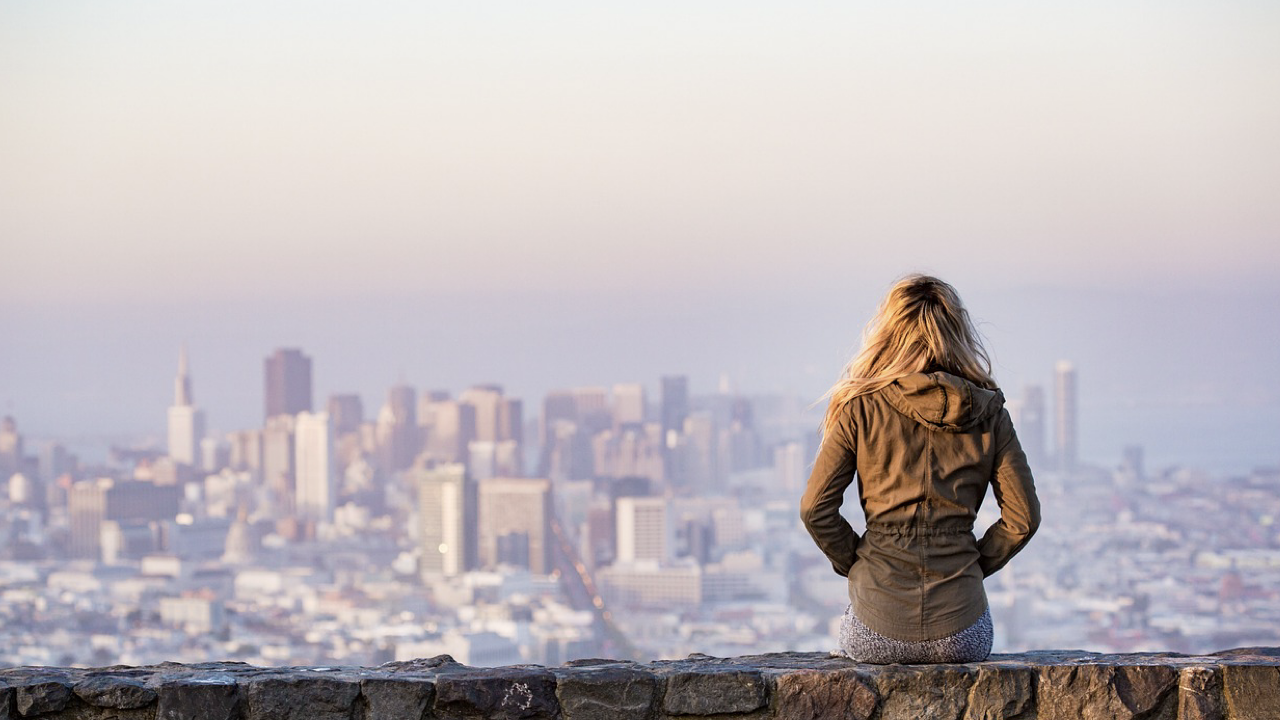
(586,193)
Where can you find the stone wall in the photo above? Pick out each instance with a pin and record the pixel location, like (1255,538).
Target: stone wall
(1239,684)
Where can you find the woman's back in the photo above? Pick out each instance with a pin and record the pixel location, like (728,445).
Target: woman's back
(925,449)
(919,422)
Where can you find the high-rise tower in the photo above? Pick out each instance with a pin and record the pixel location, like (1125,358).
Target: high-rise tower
(287,381)
(315,491)
(1065,439)
(447,513)
(186,422)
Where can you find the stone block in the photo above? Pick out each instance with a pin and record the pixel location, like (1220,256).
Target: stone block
(1252,691)
(1107,692)
(119,693)
(1200,693)
(215,698)
(1002,693)
(301,696)
(606,693)
(395,698)
(509,693)
(817,695)
(713,690)
(38,696)
(936,692)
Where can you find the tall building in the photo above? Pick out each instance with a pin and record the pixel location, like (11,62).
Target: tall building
(1065,444)
(90,503)
(287,375)
(628,404)
(10,448)
(315,488)
(346,411)
(447,517)
(675,402)
(278,455)
(515,523)
(644,529)
(498,419)
(485,399)
(451,428)
(1030,424)
(399,436)
(591,405)
(186,422)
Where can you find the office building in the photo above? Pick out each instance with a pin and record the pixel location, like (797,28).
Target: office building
(346,412)
(675,402)
(315,489)
(92,502)
(287,380)
(628,404)
(1065,427)
(10,448)
(485,400)
(447,521)
(399,435)
(515,523)
(644,529)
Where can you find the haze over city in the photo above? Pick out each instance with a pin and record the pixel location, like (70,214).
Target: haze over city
(538,299)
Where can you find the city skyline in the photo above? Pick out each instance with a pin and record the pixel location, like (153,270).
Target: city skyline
(450,195)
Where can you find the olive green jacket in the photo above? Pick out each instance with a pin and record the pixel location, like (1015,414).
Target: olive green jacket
(924,449)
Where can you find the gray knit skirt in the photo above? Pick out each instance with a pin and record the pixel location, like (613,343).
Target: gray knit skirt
(861,643)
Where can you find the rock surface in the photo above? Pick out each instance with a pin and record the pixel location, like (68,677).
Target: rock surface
(1242,684)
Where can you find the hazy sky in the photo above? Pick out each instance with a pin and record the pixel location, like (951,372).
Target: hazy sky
(496,187)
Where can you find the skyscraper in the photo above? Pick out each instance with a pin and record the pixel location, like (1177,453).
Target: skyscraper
(1065,428)
(628,403)
(314,487)
(675,402)
(287,380)
(515,523)
(186,422)
(447,513)
(346,411)
(644,529)
(399,437)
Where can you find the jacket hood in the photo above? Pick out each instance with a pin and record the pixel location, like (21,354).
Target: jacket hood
(942,401)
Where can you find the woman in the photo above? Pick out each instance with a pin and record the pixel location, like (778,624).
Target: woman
(918,419)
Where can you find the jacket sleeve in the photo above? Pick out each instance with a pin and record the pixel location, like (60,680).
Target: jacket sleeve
(1016,494)
(833,471)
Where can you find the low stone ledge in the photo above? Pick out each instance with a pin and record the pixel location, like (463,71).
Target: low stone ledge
(1242,684)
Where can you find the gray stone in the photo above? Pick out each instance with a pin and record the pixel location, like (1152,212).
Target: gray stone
(606,692)
(1200,693)
(120,693)
(195,699)
(714,690)
(1252,691)
(6,699)
(1107,692)
(510,693)
(41,695)
(301,697)
(817,695)
(396,697)
(1002,693)
(936,692)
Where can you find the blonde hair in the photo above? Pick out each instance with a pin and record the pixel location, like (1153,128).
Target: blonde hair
(921,326)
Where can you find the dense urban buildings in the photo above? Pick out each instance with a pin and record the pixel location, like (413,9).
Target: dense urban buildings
(604,525)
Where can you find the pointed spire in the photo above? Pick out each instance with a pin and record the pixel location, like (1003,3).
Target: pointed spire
(182,383)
